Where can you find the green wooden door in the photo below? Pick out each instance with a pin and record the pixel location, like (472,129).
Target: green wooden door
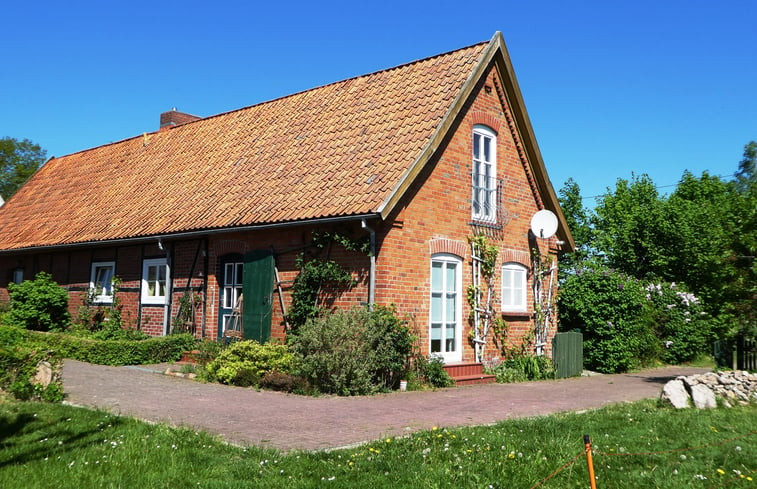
(257,288)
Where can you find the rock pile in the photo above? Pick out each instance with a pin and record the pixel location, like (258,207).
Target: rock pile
(737,387)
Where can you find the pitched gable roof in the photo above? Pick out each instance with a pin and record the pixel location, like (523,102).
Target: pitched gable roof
(344,149)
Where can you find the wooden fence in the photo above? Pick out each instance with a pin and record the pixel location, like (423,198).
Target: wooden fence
(568,354)
(739,353)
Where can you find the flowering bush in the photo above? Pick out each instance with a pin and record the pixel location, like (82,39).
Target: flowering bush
(679,321)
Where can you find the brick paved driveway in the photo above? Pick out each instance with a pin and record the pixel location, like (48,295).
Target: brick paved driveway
(286,421)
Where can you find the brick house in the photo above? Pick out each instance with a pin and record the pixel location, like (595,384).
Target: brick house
(416,159)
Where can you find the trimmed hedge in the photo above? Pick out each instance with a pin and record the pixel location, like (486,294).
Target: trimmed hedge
(111,352)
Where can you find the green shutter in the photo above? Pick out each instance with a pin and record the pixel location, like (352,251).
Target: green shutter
(257,288)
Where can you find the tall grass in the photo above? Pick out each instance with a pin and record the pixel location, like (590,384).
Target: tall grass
(55,446)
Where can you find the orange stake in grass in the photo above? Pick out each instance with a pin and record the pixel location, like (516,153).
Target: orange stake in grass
(590,462)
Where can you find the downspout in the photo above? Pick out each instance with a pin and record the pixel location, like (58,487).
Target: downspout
(372,275)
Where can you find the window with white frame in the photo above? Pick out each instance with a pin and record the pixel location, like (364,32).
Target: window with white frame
(154,280)
(445,328)
(514,287)
(101,280)
(484,173)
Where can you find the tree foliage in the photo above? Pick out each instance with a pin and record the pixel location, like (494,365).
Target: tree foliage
(702,237)
(18,161)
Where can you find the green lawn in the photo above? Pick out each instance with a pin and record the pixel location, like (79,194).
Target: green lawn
(56,446)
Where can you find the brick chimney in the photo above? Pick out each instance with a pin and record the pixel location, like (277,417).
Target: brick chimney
(175,118)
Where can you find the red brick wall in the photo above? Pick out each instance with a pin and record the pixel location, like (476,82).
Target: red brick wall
(435,217)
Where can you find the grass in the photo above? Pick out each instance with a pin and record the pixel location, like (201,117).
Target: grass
(58,446)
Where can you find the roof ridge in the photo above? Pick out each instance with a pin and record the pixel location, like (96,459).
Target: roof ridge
(318,87)
(283,97)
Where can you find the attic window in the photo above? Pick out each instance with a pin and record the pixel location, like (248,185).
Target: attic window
(484,174)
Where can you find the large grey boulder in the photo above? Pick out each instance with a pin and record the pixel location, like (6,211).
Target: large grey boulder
(675,393)
(703,397)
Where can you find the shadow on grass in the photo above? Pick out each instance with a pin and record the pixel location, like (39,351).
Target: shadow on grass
(20,440)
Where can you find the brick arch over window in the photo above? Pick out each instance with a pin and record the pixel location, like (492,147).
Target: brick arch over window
(484,119)
(449,246)
(515,256)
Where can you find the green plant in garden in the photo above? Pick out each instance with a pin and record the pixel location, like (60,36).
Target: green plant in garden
(321,279)
(39,304)
(357,351)
(522,367)
(431,369)
(244,363)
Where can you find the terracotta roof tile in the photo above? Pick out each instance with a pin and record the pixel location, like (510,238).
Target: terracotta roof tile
(335,150)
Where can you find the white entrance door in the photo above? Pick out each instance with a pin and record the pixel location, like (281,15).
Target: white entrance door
(445,328)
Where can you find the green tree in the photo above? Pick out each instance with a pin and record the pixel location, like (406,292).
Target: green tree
(632,233)
(746,176)
(578,218)
(18,161)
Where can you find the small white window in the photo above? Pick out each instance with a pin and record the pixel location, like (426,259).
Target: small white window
(514,291)
(101,280)
(484,173)
(154,280)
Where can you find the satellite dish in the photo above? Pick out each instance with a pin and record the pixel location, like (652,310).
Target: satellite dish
(544,224)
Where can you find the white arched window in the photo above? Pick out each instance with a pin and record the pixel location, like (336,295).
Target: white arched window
(445,324)
(484,174)
(514,287)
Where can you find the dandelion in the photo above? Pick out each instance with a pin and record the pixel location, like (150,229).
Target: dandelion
(388,440)
(721,471)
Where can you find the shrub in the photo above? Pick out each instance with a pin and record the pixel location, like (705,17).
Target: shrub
(281,381)
(353,352)
(606,306)
(39,304)
(244,363)
(521,368)
(112,352)
(18,366)
(432,370)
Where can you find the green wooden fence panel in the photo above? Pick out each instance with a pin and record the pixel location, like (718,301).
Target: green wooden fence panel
(568,354)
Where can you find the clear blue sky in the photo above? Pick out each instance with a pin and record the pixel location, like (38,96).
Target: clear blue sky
(611,87)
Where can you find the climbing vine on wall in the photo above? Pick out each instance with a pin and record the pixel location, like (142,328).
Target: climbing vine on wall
(544,269)
(480,294)
(321,279)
